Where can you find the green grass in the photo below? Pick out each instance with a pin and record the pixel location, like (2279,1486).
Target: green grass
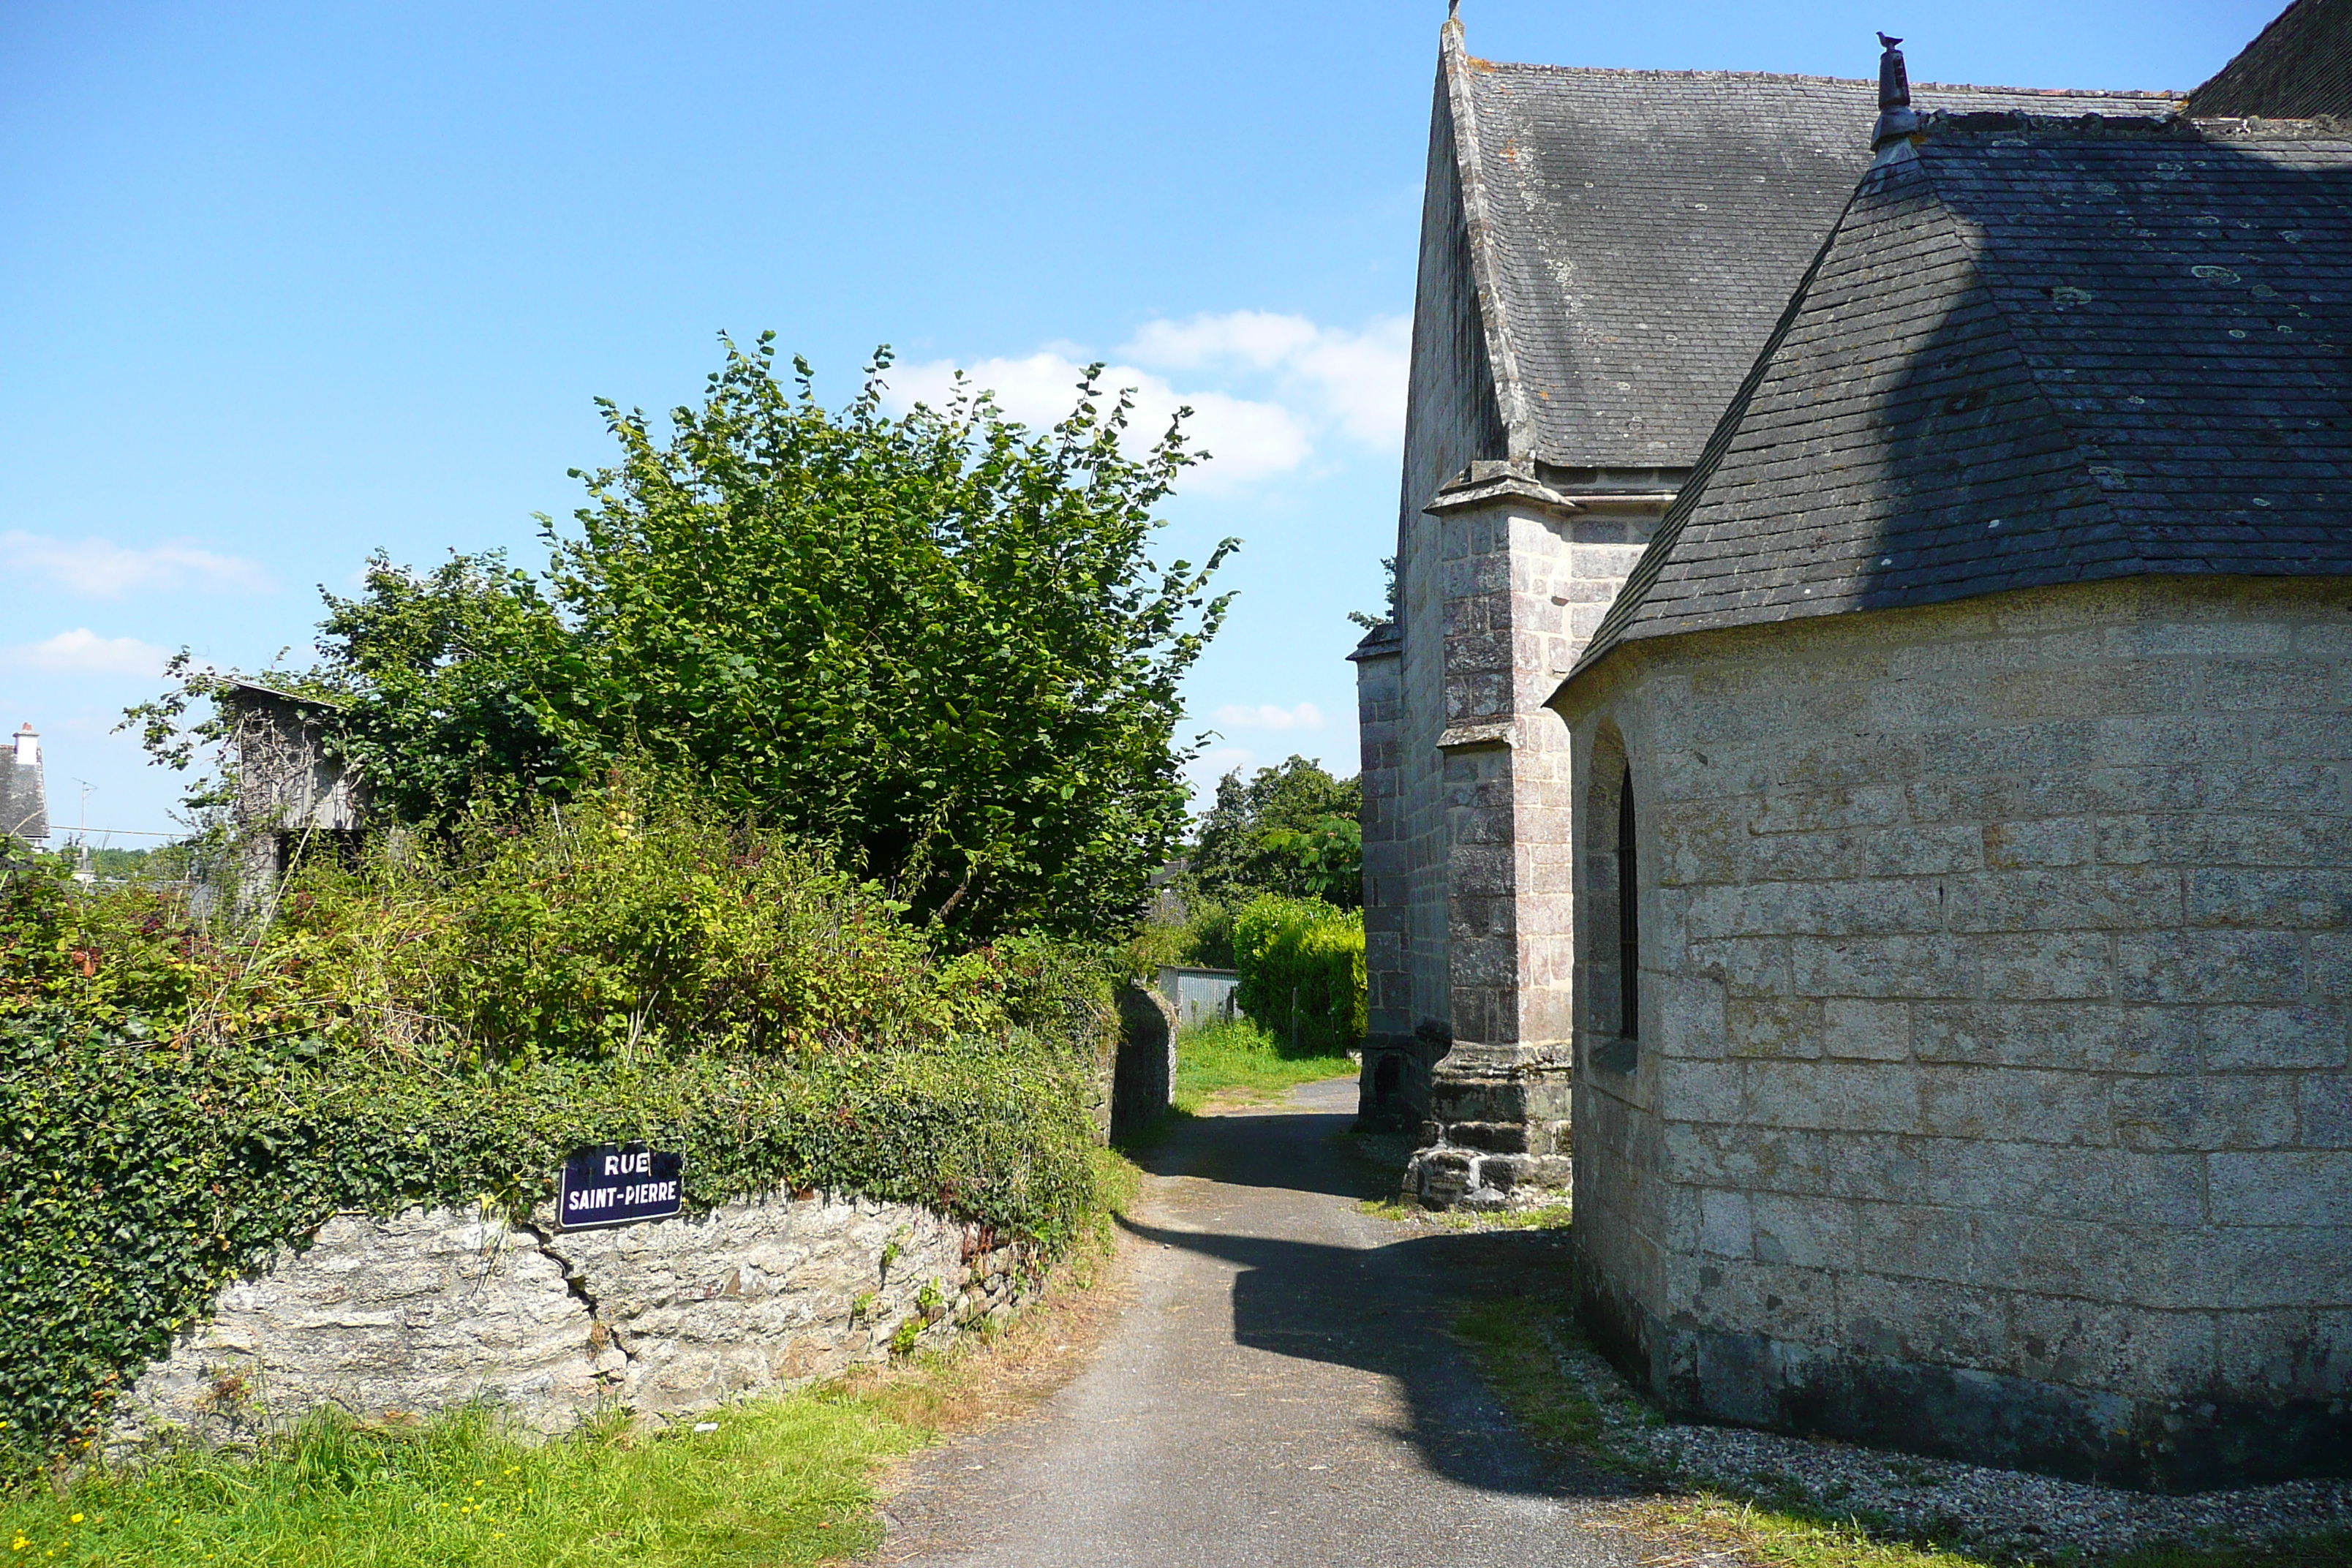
(1513,1356)
(781,1480)
(1239,1062)
(1548,1216)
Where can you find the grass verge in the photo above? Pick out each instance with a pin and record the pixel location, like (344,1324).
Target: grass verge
(1514,1337)
(1239,1063)
(777,1480)
(780,1480)
(1550,1216)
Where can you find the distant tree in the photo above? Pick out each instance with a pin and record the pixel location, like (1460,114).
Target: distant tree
(937,643)
(1291,830)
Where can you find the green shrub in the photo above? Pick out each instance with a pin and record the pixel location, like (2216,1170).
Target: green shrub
(1302,973)
(1204,937)
(442,1025)
(635,924)
(1209,935)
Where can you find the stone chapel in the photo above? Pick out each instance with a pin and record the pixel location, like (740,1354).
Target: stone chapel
(1858,771)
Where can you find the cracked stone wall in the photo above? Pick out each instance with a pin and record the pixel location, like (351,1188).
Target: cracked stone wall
(1990,1092)
(435,1307)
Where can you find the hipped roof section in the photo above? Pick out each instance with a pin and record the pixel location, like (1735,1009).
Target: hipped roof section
(2035,351)
(1634,233)
(2297,68)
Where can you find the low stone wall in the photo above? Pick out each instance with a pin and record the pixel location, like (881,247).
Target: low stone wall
(436,1307)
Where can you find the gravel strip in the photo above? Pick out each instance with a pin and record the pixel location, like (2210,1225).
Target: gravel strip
(1999,1513)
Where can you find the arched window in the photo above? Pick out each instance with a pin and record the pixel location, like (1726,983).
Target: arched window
(1629,927)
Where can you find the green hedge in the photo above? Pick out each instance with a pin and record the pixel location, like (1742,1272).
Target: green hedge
(138,1176)
(443,1022)
(1302,973)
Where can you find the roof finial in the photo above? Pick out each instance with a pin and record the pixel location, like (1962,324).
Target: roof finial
(1896,118)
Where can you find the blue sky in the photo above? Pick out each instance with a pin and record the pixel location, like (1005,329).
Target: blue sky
(285,284)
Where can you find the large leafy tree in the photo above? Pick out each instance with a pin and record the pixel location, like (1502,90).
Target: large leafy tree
(1291,830)
(937,642)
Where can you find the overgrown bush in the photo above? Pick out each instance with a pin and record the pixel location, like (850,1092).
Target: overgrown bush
(1302,973)
(445,1025)
(1203,937)
(638,924)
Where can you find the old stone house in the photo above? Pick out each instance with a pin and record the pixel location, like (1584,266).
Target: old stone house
(292,795)
(1933,874)
(24,789)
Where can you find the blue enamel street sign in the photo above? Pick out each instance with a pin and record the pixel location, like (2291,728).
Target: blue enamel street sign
(616,1184)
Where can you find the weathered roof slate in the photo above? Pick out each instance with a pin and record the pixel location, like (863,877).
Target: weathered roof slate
(2297,68)
(2031,352)
(1640,231)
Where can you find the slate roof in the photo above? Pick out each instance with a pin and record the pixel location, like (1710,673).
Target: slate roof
(2298,67)
(2032,353)
(1637,233)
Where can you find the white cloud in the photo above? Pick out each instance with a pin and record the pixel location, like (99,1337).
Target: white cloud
(1259,338)
(1248,440)
(1263,387)
(1265,716)
(83,652)
(102,568)
(1354,381)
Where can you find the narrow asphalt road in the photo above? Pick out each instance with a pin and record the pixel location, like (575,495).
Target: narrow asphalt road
(1280,1391)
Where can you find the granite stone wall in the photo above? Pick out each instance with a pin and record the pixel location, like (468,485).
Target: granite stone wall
(1991,1094)
(436,1307)
(1520,570)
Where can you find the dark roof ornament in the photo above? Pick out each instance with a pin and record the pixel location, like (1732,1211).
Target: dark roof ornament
(1896,119)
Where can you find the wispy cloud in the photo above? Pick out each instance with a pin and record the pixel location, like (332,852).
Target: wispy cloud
(1265,716)
(102,569)
(1353,381)
(1248,440)
(83,652)
(1263,388)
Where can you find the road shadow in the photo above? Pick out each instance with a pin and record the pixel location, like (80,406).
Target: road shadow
(1388,1310)
(1299,1152)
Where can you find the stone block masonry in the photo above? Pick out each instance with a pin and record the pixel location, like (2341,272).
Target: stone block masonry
(433,1309)
(1990,1095)
(1468,876)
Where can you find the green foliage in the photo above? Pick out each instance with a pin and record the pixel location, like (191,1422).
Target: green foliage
(455,687)
(636,924)
(1291,830)
(163,863)
(1302,973)
(936,645)
(1239,1061)
(1209,935)
(784,1479)
(440,1025)
(138,1176)
(1204,937)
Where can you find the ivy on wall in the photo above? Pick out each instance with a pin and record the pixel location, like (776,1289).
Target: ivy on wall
(138,1177)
